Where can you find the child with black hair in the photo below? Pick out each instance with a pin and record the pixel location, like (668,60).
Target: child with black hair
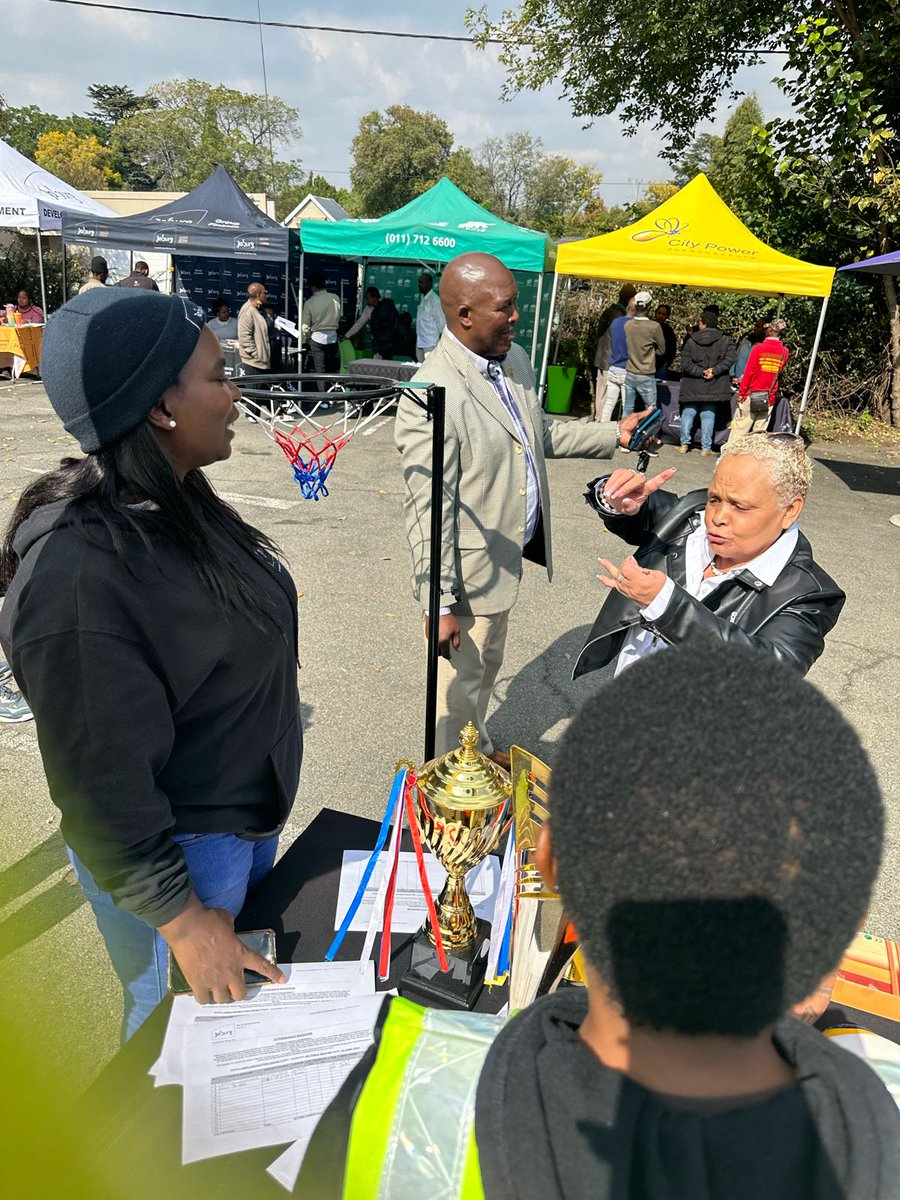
(708,903)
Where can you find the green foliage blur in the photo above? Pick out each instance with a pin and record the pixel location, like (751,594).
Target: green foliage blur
(821,183)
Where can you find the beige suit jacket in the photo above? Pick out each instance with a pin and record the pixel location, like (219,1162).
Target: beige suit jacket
(484,477)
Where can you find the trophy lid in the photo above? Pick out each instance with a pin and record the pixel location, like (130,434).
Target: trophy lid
(465,778)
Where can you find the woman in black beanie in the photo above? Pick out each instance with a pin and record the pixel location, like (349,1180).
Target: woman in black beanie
(153,633)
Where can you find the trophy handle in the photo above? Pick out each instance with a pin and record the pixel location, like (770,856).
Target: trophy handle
(456,916)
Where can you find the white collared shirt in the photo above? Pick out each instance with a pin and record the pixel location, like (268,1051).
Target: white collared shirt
(430,321)
(499,384)
(698,554)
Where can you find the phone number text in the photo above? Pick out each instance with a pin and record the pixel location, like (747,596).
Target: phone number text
(418,239)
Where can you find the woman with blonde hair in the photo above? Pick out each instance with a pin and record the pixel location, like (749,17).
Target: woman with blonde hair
(728,563)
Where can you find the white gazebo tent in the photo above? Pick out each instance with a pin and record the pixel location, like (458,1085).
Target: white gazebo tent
(32,198)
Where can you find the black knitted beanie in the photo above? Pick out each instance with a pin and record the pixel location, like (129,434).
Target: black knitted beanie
(110,353)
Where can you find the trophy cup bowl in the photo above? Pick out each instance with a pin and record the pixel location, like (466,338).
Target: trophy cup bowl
(462,803)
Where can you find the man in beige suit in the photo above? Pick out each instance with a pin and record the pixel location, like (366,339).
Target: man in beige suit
(496,497)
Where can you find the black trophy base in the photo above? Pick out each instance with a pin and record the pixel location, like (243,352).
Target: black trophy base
(458,987)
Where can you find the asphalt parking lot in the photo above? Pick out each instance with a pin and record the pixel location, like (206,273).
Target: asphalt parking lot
(362,674)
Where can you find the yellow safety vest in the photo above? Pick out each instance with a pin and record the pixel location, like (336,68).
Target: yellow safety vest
(412,1135)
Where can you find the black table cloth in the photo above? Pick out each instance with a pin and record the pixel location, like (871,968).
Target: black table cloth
(139,1126)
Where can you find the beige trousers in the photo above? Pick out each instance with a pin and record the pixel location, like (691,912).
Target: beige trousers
(743,423)
(466,680)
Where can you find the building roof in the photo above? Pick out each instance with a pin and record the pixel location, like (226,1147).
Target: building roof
(331,209)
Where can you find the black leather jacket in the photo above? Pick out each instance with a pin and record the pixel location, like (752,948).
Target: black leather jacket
(788,619)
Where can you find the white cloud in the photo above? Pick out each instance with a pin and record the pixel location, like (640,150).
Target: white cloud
(333,79)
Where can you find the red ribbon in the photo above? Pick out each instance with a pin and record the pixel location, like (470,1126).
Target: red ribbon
(384,958)
(423,874)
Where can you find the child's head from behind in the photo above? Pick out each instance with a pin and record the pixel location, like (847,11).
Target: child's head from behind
(716,828)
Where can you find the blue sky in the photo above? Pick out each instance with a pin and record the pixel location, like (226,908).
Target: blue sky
(52,53)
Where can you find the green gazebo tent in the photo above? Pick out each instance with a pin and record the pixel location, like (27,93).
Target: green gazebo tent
(434,228)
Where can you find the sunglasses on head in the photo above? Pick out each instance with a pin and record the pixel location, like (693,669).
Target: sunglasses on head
(780,439)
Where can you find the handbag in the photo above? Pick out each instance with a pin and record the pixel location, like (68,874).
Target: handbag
(761,402)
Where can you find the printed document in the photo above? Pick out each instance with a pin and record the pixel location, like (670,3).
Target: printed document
(409,903)
(308,984)
(266,1078)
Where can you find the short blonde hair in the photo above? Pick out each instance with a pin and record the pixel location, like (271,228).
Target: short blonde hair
(790,467)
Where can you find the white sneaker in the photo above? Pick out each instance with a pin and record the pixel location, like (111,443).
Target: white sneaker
(13,707)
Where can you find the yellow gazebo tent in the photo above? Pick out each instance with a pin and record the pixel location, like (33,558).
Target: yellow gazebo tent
(694,239)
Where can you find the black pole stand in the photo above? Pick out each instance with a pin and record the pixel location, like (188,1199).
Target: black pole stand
(436,412)
(433,404)
(434,407)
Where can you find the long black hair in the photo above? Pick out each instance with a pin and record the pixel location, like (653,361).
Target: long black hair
(112,487)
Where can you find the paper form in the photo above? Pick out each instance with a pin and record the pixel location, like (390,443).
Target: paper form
(286,1167)
(267,1078)
(307,984)
(409,903)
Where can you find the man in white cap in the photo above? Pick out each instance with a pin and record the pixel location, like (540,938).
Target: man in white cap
(645,341)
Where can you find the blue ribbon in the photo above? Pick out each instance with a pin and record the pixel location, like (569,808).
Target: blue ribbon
(396,796)
(503,958)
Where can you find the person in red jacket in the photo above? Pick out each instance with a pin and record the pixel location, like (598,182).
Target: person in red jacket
(759,383)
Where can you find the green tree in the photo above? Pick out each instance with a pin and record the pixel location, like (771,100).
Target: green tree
(22,128)
(834,155)
(655,194)
(81,161)
(474,179)
(838,147)
(510,162)
(397,155)
(697,158)
(559,193)
(113,102)
(187,127)
(735,162)
(612,57)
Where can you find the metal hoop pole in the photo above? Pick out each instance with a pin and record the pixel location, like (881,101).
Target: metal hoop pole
(40,254)
(812,364)
(436,410)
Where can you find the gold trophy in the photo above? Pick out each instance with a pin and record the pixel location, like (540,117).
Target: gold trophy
(543,953)
(462,802)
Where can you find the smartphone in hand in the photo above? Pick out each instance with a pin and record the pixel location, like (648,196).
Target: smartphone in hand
(260,940)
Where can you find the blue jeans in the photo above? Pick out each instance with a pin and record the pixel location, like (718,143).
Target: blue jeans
(638,385)
(223,869)
(707,423)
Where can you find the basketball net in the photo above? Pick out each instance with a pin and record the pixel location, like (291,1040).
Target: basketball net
(310,435)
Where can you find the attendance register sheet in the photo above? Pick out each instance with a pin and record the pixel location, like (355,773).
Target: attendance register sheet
(263,1079)
(307,984)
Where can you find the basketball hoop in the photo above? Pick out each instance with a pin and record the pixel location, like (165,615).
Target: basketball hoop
(312,426)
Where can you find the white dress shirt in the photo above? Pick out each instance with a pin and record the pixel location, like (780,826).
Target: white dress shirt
(430,321)
(698,554)
(493,373)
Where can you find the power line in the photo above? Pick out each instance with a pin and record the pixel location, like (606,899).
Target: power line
(383,33)
(262,54)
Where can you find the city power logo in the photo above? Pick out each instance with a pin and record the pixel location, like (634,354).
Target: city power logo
(672,230)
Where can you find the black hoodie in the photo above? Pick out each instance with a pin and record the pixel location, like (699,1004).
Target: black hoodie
(552,1123)
(704,349)
(156,710)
